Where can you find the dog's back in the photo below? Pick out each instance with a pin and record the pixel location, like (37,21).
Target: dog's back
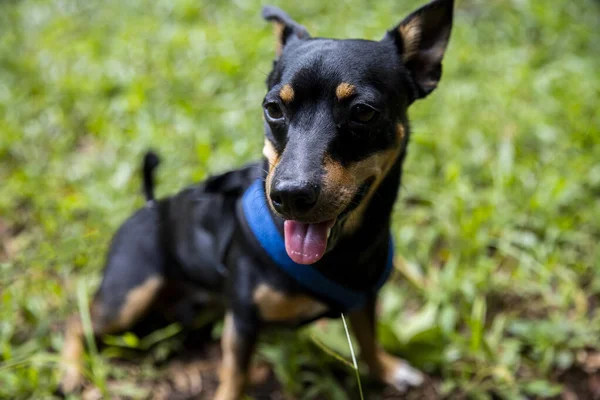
(199,223)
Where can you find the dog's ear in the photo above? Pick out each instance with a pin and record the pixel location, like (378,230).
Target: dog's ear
(421,40)
(286,29)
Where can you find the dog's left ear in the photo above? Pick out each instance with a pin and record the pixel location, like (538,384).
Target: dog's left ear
(286,29)
(421,40)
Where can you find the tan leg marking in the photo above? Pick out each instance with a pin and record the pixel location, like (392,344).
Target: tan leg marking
(136,304)
(233,379)
(387,368)
(277,306)
(344,90)
(73,349)
(287,93)
(72,356)
(138,301)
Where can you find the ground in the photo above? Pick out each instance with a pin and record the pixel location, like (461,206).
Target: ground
(496,289)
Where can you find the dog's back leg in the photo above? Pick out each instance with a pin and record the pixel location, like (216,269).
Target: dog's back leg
(71,356)
(133,278)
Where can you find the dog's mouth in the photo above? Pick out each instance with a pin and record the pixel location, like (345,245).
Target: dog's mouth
(306,243)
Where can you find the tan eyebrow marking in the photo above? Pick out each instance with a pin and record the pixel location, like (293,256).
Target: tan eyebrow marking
(287,93)
(344,90)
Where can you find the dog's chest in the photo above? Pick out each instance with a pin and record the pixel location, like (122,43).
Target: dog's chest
(276,306)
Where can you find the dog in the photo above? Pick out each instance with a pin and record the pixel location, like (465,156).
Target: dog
(302,234)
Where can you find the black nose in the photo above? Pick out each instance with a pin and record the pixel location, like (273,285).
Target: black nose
(294,198)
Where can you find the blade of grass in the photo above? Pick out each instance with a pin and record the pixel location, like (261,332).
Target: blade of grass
(353,358)
(330,352)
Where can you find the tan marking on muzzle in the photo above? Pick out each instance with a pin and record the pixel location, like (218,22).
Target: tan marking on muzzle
(400,132)
(342,182)
(270,154)
(380,164)
(273,159)
(287,93)
(344,90)
(274,305)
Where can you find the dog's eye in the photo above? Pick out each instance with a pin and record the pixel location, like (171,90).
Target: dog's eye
(362,113)
(273,111)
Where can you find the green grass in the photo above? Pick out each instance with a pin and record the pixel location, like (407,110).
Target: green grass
(497,226)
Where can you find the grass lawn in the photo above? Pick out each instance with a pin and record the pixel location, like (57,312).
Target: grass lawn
(497,227)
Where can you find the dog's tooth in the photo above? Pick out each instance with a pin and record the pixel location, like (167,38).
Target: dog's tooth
(328,232)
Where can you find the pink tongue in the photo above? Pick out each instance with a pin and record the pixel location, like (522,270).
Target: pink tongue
(306,243)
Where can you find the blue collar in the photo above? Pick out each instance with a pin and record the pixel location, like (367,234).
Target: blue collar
(260,221)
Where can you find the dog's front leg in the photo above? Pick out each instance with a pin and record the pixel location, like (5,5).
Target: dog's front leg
(385,367)
(237,347)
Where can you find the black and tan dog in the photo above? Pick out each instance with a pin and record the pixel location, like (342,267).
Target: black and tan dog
(305,234)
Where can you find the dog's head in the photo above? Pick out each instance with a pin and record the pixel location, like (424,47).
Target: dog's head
(335,118)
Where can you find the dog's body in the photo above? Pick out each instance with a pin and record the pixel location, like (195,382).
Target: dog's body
(336,135)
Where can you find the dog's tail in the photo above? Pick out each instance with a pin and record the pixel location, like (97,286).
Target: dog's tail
(151,161)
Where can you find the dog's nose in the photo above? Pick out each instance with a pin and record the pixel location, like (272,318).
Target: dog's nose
(294,198)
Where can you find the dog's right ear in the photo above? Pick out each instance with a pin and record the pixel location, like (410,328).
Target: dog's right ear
(286,29)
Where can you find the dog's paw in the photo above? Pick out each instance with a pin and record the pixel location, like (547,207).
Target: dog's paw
(71,382)
(404,376)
